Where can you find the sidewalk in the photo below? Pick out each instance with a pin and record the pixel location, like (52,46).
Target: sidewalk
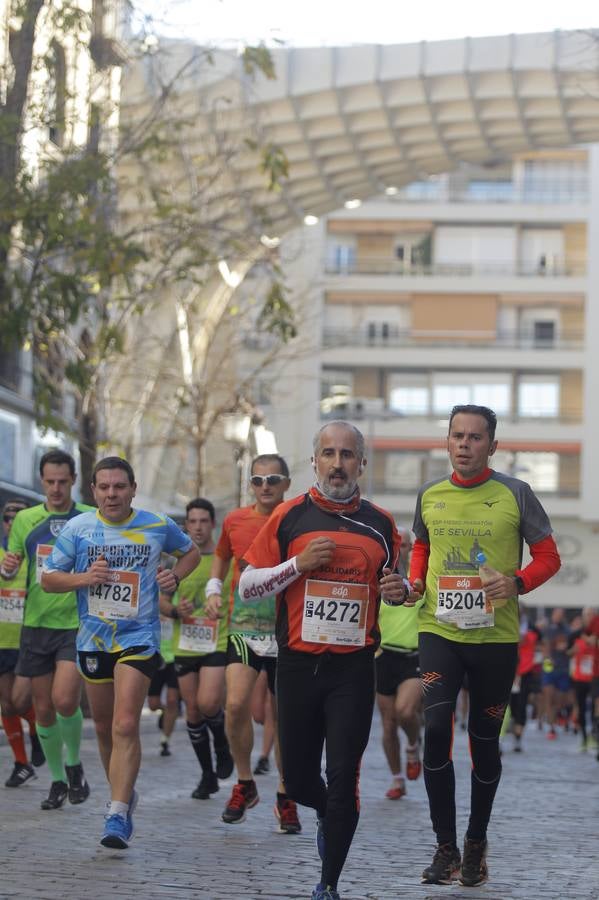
(544,836)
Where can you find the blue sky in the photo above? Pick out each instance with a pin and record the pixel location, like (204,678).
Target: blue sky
(318,22)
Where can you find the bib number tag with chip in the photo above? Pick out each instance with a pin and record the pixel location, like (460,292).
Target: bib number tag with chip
(461,601)
(335,613)
(117,598)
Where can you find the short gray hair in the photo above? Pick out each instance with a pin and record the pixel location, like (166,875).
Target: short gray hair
(360,443)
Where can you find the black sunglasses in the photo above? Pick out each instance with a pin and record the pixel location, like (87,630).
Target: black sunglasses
(260,480)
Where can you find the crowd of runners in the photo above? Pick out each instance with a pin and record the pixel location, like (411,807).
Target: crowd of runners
(302,615)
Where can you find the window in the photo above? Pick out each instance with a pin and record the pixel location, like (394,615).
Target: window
(9,429)
(544,334)
(56,88)
(540,470)
(409,394)
(481,388)
(538,396)
(403,471)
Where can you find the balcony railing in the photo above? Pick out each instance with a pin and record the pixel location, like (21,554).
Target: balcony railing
(387,266)
(356,411)
(565,191)
(408,337)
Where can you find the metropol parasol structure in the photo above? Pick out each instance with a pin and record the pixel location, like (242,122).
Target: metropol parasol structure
(358,121)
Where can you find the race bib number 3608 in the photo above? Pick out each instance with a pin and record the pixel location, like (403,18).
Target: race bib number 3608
(461,601)
(335,613)
(117,598)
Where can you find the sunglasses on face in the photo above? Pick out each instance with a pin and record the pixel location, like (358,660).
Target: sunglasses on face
(261,480)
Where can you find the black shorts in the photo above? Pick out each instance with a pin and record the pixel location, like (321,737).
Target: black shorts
(164,677)
(595,689)
(393,668)
(239,651)
(186,664)
(98,666)
(8,660)
(42,648)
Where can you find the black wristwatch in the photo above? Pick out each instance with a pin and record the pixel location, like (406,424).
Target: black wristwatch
(519,584)
(174,613)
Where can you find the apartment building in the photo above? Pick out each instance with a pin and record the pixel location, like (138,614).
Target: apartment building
(472,287)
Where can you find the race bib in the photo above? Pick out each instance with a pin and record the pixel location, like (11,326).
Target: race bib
(262,644)
(461,601)
(166,629)
(586,666)
(117,598)
(42,554)
(335,613)
(198,635)
(12,605)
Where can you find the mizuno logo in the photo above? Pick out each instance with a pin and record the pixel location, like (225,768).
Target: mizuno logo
(429,679)
(496,712)
(490,503)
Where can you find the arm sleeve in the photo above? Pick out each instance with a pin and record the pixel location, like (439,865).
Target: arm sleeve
(255,584)
(545,563)
(419,560)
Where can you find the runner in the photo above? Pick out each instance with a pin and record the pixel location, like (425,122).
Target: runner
(556,669)
(466,627)
(328,554)
(12,603)
(252,646)
(525,682)
(163,692)
(398,684)
(111,557)
(582,660)
(47,648)
(200,655)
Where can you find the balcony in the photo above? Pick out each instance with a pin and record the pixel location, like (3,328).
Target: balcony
(389,266)
(394,337)
(567,191)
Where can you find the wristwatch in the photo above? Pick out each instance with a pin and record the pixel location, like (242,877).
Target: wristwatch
(519,584)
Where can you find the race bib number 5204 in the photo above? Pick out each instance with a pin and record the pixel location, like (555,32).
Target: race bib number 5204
(335,613)
(461,601)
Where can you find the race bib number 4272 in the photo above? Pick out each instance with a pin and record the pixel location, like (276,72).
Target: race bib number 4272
(335,613)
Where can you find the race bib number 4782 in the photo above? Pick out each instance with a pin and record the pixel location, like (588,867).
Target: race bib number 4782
(335,613)
(117,598)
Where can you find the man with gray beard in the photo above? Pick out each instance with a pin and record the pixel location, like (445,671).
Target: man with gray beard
(330,556)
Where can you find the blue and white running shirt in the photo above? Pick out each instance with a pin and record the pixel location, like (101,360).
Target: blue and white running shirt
(123,612)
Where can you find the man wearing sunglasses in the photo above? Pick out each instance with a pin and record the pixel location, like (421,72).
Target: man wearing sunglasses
(252,646)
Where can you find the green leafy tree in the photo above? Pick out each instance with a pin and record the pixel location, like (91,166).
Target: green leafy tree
(76,268)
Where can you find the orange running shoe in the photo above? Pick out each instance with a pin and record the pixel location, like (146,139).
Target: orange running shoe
(413,764)
(397,789)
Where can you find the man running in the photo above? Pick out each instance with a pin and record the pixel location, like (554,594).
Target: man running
(467,627)
(252,646)
(111,557)
(398,685)
(47,653)
(329,556)
(12,604)
(199,647)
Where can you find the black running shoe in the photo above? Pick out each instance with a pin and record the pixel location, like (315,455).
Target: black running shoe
(21,773)
(445,866)
(78,786)
(208,785)
(474,863)
(37,754)
(262,766)
(165,750)
(224,761)
(56,797)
